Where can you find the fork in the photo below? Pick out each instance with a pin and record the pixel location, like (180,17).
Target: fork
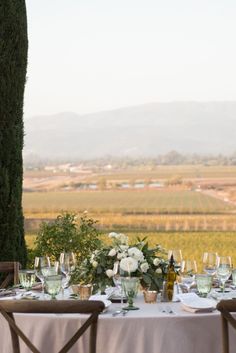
(169,310)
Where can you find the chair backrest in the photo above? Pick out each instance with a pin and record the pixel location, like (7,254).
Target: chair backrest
(226,307)
(8,307)
(11,269)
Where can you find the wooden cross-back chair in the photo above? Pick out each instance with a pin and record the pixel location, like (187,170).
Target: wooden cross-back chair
(94,308)
(11,269)
(226,307)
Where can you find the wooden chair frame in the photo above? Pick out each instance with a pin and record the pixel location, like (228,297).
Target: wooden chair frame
(226,307)
(12,270)
(8,307)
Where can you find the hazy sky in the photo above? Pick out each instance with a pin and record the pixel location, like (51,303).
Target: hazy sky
(91,55)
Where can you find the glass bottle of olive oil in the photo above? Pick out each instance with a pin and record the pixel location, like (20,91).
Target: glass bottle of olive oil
(170,280)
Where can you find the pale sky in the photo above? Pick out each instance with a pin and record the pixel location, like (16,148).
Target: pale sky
(92,55)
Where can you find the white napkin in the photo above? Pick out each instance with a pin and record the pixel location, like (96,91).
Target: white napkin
(193,303)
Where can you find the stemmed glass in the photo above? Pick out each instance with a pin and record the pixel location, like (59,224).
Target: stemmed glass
(40,265)
(67,265)
(130,286)
(210,262)
(223,269)
(117,281)
(177,255)
(188,271)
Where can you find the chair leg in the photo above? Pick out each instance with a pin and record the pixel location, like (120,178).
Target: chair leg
(14,337)
(93,337)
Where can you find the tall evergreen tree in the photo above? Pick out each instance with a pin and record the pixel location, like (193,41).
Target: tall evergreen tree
(13,63)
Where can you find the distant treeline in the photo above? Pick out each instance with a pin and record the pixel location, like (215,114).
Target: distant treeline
(170,158)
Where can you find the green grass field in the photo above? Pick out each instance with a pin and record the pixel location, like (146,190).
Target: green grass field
(141,201)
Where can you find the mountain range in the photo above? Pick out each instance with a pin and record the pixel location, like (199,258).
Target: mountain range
(139,131)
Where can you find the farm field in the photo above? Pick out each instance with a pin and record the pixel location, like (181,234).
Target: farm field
(192,244)
(141,201)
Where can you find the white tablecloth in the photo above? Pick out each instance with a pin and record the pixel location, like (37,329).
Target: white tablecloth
(147,330)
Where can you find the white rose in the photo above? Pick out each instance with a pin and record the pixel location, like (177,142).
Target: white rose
(95,264)
(121,255)
(136,253)
(109,273)
(144,267)
(123,239)
(129,264)
(156,261)
(159,270)
(124,247)
(112,252)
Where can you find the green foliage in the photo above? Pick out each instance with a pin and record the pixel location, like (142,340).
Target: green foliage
(13,62)
(66,234)
(101,265)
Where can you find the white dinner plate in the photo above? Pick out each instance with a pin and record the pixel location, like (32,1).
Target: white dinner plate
(200,303)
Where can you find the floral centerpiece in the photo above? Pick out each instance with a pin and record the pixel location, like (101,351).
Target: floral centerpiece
(136,260)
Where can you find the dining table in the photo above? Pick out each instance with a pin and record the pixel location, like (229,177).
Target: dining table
(153,328)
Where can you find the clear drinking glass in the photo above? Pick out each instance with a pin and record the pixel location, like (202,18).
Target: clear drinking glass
(210,262)
(188,271)
(223,270)
(27,278)
(40,265)
(53,285)
(117,282)
(204,284)
(67,263)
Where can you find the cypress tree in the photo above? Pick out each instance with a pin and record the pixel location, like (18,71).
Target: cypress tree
(13,63)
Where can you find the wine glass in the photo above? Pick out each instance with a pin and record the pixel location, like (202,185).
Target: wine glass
(210,262)
(41,264)
(130,286)
(223,270)
(67,265)
(188,271)
(117,281)
(177,255)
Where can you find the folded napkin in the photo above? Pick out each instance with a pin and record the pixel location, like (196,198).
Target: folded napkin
(7,293)
(195,310)
(101,297)
(193,303)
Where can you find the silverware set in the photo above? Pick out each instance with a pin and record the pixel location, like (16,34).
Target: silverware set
(122,312)
(167,310)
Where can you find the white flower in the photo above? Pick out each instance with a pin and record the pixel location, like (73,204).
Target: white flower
(156,261)
(123,239)
(95,264)
(129,264)
(136,253)
(144,267)
(121,255)
(124,247)
(159,270)
(92,258)
(112,235)
(109,273)
(112,252)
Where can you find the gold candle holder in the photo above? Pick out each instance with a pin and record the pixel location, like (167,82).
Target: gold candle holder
(85,291)
(150,296)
